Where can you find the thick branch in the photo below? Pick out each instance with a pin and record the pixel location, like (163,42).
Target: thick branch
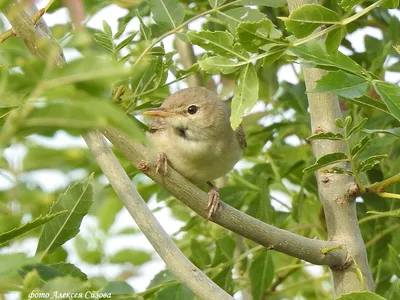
(34,33)
(227,216)
(177,263)
(27,25)
(336,191)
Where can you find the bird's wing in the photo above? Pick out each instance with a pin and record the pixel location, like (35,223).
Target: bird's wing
(157,125)
(241,136)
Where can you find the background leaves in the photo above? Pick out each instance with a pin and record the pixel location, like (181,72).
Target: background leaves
(249,52)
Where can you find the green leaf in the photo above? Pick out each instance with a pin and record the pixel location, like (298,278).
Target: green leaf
(218,64)
(261,274)
(342,84)
(368,102)
(91,254)
(149,75)
(120,31)
(79,117)
(6,236)
(270,3)
(390,94)
(327,160)
(305,20)
(315,52)
(253,35)
(360,296)
(145,31)
(393,213)
(218,42)
(133,256)
(167,13)
(200,254)
(362,145)
(160,278)
(5,112)
(4,4)
(77,200)
(357,128)
(395,131)
(224,250)
(117,288)
(370,162)
(216,3)
(349,4)
(245,95)
(391,4)
(224,279)
(126,41)
(175,291)
(11,263)
(339,123)
(326,136)
(347,123)
(48,272)
(274,53)
(104,41)
(235,16)
(64,285)
(265,211)
(334,39)
(107,29)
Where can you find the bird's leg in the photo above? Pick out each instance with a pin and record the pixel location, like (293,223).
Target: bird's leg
(162,164)
(213,199)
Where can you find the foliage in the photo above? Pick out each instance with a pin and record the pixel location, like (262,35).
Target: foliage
(241,48)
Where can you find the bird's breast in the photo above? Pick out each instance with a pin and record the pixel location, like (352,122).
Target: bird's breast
(198,160)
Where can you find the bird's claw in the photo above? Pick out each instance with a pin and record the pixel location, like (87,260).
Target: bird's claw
(213,201)
(161,164)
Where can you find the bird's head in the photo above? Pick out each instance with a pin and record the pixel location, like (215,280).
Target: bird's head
(194,112)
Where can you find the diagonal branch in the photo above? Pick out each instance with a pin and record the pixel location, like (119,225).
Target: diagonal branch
(176,261)
(227,216)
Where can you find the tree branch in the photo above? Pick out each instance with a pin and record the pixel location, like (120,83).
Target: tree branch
(177,263)
(378,187)
(336,191)
(27,25)
(187,58)
(227,216)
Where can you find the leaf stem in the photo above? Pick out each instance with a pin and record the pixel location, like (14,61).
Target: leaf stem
(379,186)
(352,164)
(9,33)
(389,195)
(381,235)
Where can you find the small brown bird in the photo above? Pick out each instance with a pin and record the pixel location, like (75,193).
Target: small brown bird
(192,129)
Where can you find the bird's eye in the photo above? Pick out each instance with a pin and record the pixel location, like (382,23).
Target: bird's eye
(192,109)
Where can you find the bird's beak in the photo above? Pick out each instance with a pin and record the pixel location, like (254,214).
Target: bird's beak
(159,112)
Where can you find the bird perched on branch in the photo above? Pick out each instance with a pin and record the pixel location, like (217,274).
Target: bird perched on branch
(192,131)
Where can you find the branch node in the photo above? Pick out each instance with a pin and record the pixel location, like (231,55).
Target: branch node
(319,129)
(353,190)
(142,165)
(325,179)
(162,164)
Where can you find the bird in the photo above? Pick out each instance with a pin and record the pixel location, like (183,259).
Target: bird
(191,131)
